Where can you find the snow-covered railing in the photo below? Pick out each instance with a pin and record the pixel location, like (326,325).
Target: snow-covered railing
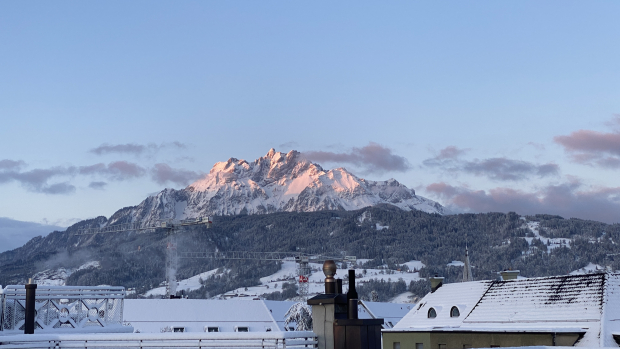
(64,308)
(211,340)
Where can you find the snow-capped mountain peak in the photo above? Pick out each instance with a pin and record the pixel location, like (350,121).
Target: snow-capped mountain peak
(273,183)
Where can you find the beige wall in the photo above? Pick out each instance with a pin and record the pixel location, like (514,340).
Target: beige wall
(407,340)
(460,340)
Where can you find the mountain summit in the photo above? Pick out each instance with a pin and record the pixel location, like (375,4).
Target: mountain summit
(275,182)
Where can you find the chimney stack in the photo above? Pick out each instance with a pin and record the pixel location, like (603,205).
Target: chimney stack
(509,274)
(352,296)
(436,282)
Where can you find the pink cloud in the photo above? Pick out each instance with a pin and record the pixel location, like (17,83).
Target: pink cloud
(163,173)
(570,199)
(373,158)
(592,147)
(502,169)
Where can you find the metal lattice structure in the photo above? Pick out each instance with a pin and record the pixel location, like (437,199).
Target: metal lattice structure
(171,228)
(63,307)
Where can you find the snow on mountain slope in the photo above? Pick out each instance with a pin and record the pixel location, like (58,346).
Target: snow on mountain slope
(288,272)
(190,284)
(58,277)
(273,183)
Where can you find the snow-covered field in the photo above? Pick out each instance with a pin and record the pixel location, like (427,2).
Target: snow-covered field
(551,243)
(190,284)
(288,273)
(590,268)
(414,265)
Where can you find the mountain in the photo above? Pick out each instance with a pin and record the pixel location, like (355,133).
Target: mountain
(276,182)
(14,233)
(381,236)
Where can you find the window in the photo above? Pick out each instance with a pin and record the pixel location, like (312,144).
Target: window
(419,346)
(178,329)
(242,329)
(213,329)
(454,312)
(442,346)
(396,345)
(432,313)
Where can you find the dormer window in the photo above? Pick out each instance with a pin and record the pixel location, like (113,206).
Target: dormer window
(454,312)
(432,313)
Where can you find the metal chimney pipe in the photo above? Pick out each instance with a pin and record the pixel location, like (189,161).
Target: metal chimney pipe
(31,291)
(352,293)
(352,309)
(352,296)
(338,286)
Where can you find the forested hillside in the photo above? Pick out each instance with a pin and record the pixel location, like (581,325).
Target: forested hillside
(384,234)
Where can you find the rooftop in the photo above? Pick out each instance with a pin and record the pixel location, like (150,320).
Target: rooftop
(579,303)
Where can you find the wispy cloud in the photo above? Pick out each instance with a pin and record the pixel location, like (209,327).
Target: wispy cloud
(135,149)
(41,180)
(58,188)
(97,185)
(570,199)
(288,145)
(11,165)
(37,180)
(373,158)
(118,170)
(163,173)
(501,168)
(592,147)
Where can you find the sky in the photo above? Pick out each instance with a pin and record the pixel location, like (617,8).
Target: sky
(479,105)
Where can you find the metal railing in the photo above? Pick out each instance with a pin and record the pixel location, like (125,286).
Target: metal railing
(211,340)
(63,308)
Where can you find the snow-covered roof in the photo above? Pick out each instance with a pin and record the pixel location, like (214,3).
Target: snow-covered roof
(151,315)
(548,299)
(392,313)
(571,303)
(278,309)
(462,295)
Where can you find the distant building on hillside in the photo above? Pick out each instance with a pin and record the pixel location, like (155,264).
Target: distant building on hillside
(572,310)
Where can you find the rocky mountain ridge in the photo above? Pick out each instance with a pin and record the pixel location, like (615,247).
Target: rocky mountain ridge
(276,182)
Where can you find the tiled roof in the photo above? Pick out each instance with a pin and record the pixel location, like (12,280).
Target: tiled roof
(547,299)
(547,304)
(611,311)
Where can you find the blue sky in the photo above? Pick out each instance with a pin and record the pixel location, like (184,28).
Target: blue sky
(491,106)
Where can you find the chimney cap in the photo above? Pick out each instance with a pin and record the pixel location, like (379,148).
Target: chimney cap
(329,268)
